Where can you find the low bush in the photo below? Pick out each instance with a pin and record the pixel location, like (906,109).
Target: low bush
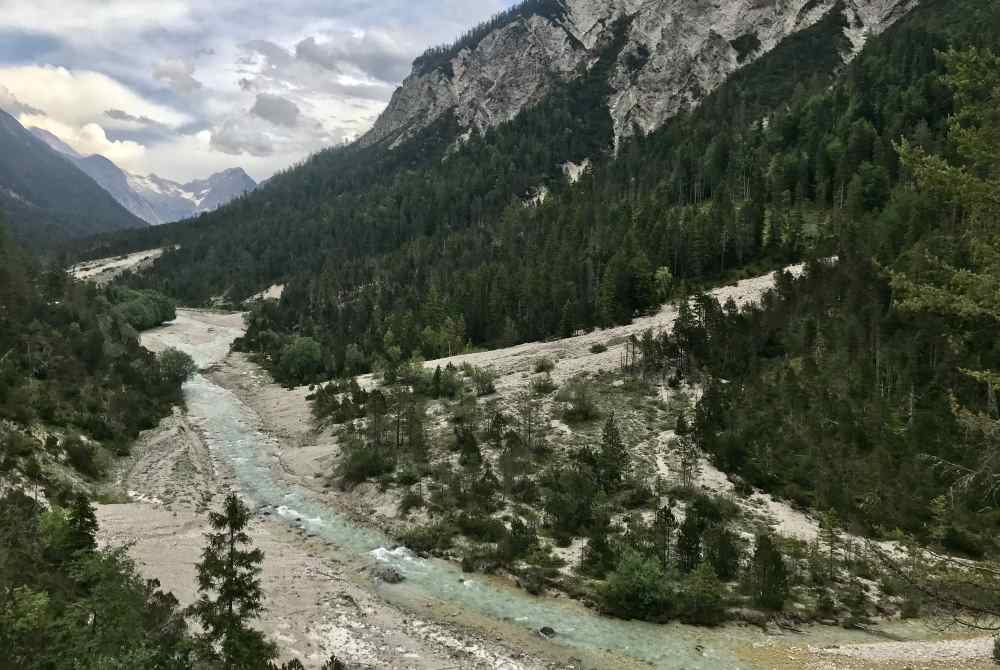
(544,364)
(579,398)
(86,458)
(435,538)
(362,462)
(638,589)
(483,379)
(543,385)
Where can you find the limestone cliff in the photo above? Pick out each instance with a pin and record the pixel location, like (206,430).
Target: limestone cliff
(675,53)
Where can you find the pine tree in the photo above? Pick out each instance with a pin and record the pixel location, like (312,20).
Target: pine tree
(689,542)
(768,575)
(663,533)
(82,525)
(231,596)
(613,457)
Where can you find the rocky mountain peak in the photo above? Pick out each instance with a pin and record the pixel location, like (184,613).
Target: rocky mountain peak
(675,52)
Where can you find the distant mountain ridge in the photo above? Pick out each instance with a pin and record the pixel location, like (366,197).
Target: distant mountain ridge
(152,198)
(45,198)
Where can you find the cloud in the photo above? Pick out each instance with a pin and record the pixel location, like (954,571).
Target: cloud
(88,20)
(275,56)
(178,74)
(277,110)
(120,115)
(185,88)
(78,97)
(10,104)
(90,139)
(237,137)
(373,53)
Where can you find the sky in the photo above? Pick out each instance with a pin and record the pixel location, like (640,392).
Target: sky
(185,88)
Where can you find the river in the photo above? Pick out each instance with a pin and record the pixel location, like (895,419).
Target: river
(236,438)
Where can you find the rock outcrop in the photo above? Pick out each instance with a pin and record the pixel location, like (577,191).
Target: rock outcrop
(675,53)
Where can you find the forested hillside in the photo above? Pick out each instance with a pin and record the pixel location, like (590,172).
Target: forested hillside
(75,386)
(400,253)
(75,390)
(47,199)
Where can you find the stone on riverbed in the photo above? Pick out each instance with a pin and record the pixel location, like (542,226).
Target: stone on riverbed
(387,574)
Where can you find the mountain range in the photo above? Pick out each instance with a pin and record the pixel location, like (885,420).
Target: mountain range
(45,198)
(151,198)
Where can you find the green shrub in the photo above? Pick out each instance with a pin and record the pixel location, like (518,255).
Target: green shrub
(581,406)
(86,458)
(411,500)
(481,528)
(544,364)
(300,361)
(362,462)
(704,598)
(436,537)
(176,367)
(543,385)
(483,379)
(638,589)
(142,309)
(598,349)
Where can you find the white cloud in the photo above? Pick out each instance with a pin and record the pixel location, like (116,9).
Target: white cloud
(85,21)
(10,104)
(130,70)
(90,139)
(178,74)
(79,97)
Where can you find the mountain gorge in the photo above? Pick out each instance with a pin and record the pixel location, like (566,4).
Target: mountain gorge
(154,199)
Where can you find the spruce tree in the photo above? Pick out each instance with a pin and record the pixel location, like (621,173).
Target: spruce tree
(231,596)
(768,575)
(689,542)
(614,461)
(82,524)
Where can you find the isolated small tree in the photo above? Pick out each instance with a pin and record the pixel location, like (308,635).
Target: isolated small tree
(768,575)
(613,459)
(230,593)
(689,542)
(82,524)
(664,527)
(723,553)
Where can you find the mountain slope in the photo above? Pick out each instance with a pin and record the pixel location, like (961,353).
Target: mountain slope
(47,198)
(116,182)
(154,199)
(675,52)
(172,201)
(376,243)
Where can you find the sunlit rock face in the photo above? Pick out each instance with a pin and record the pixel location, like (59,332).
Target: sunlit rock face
(675,53)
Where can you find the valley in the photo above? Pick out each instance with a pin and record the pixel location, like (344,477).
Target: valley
(241,432)
(639,334)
